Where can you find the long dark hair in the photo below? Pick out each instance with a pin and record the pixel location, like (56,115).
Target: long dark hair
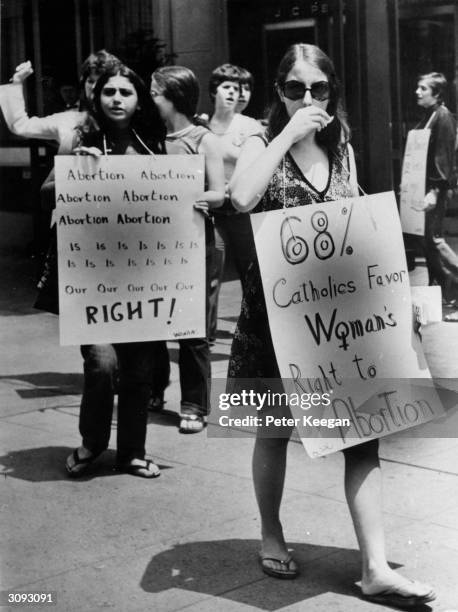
(146,120)
(337,132)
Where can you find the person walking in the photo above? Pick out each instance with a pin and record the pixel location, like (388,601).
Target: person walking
(305,158)
(175,90)
(123,121)
(440,172)
(233,233)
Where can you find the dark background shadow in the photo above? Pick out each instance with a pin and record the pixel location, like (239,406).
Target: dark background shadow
(48,384)
(47,464)
(228,569)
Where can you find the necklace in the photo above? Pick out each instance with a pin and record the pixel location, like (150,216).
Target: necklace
(106,150)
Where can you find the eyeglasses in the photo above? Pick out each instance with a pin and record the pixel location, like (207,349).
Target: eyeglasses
(295,90)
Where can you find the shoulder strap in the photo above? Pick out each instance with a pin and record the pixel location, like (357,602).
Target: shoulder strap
(430,120)
(262,136)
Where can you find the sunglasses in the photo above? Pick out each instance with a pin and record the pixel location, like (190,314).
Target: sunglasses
(295,90)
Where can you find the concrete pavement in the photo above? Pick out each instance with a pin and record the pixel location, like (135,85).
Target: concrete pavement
(189,540)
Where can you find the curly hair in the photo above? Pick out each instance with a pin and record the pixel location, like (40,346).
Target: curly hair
(95,64)
(146,120)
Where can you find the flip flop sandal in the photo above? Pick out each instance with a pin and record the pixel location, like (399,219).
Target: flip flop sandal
(80,466)
(395,597)
(156,403)
(286,571)
(148,470)
(198,423)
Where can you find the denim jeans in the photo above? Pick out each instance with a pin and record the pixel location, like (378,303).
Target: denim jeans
(193,362)
(129,365)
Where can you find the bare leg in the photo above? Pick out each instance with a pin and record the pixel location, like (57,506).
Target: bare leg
(269,465)
(363,488)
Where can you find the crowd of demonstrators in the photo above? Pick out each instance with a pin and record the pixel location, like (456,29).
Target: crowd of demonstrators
(440,177)
(232,229)
(58,127)
(175,90)
(305,158)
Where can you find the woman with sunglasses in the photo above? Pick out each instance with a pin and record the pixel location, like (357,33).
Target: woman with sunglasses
(303,159)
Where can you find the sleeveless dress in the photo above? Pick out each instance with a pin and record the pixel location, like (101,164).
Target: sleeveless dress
(252,352)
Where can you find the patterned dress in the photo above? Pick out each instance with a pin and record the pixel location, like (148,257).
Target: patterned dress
(252,352)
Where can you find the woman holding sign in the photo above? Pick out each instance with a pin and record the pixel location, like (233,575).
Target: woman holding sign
(304,159)
(125,121)
(175,90)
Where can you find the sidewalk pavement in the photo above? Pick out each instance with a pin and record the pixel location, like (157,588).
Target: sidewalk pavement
(189,540)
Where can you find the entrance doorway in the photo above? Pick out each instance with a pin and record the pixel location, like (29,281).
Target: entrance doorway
(277,37)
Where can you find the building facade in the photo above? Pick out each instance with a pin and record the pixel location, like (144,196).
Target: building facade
(378,46)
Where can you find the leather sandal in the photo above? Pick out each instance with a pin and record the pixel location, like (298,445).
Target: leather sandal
(398,597)
(80,466)
(288,569)
(144,468)
(156,403)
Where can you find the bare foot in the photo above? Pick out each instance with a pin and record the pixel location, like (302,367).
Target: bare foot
(392,587)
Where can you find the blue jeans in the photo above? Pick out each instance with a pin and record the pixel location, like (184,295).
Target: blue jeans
(127,366)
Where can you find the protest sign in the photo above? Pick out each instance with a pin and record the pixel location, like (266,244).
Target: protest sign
(413,182)
(337,292)
(131,248)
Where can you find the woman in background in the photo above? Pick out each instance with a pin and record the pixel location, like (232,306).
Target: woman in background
(233,229)
(58,127)
(440,176)
(175,90)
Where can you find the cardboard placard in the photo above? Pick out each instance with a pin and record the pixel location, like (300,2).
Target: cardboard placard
(337,292)
(413,182)
(131,248)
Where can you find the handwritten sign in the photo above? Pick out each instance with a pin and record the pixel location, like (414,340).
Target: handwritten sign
(131,248)
(413,182)
(337,291)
